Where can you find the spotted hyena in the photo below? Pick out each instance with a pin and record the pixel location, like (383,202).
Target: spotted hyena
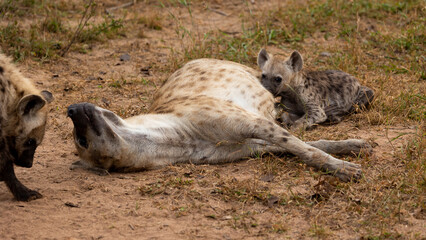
(208,112)
(311,97)
(22,121)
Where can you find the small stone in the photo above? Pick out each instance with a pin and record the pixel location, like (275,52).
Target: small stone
(125,57)
(325,54)
(145,70)
(267,177)
(72,205)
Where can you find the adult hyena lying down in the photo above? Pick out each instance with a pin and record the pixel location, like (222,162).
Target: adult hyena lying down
(209,111)
(22,121)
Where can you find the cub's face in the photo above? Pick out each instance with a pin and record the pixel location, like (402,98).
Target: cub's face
(26,128)
(277,73)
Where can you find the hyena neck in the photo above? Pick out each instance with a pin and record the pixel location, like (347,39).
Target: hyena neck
(153,129)
(153,139)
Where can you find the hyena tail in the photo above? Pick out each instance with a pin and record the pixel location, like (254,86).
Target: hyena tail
(364,98)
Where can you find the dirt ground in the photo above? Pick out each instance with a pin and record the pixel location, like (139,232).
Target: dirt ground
(259,198)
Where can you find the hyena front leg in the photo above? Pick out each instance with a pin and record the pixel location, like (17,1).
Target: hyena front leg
(314,115)
(275,135)
(19,191)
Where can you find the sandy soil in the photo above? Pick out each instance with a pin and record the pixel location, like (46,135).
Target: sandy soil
(176,202)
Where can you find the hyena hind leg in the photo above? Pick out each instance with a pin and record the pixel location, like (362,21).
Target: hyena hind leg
(343,147)
(314,157)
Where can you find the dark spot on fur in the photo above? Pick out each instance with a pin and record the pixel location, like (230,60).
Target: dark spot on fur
(202,72)
(1,69)
(203,78)
(284,139)
(285,133)
(270,135)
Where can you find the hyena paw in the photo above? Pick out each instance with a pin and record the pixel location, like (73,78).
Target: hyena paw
(359,146)
(27,195)
(286,119)
(349,172)
(298,126)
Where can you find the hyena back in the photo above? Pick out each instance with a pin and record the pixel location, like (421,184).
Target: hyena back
(22,122)
(311,97)
(209,111)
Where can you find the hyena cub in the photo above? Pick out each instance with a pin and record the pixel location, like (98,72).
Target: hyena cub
(22,121)
(311,97)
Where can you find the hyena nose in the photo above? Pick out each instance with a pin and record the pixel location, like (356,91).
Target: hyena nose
(71,112)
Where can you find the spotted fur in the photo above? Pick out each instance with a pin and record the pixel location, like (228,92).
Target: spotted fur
(209,111)
(22,122)
(311,97)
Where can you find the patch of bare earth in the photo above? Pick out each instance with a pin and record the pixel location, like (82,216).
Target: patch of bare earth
(267,197)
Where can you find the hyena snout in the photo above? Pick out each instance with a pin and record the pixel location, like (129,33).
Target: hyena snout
(26,159)
(86,118)
(25,156)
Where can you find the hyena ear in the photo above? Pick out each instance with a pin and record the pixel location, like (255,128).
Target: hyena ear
(262,58)
(30,104)
(48,96)
(295,61)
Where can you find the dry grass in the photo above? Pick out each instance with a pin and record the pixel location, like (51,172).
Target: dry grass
(380,42)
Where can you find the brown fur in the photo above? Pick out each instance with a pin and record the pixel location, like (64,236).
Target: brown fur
(22,123)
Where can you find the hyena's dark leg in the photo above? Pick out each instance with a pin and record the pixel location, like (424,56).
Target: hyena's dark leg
(19,191)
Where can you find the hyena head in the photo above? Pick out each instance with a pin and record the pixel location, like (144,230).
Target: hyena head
(95,138)
(25,128)
(278,74)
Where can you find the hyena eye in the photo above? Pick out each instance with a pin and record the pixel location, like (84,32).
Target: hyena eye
(278,79)
(30,142)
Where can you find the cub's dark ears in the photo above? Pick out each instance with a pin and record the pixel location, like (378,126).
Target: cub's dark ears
(295,61)
(262,58)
